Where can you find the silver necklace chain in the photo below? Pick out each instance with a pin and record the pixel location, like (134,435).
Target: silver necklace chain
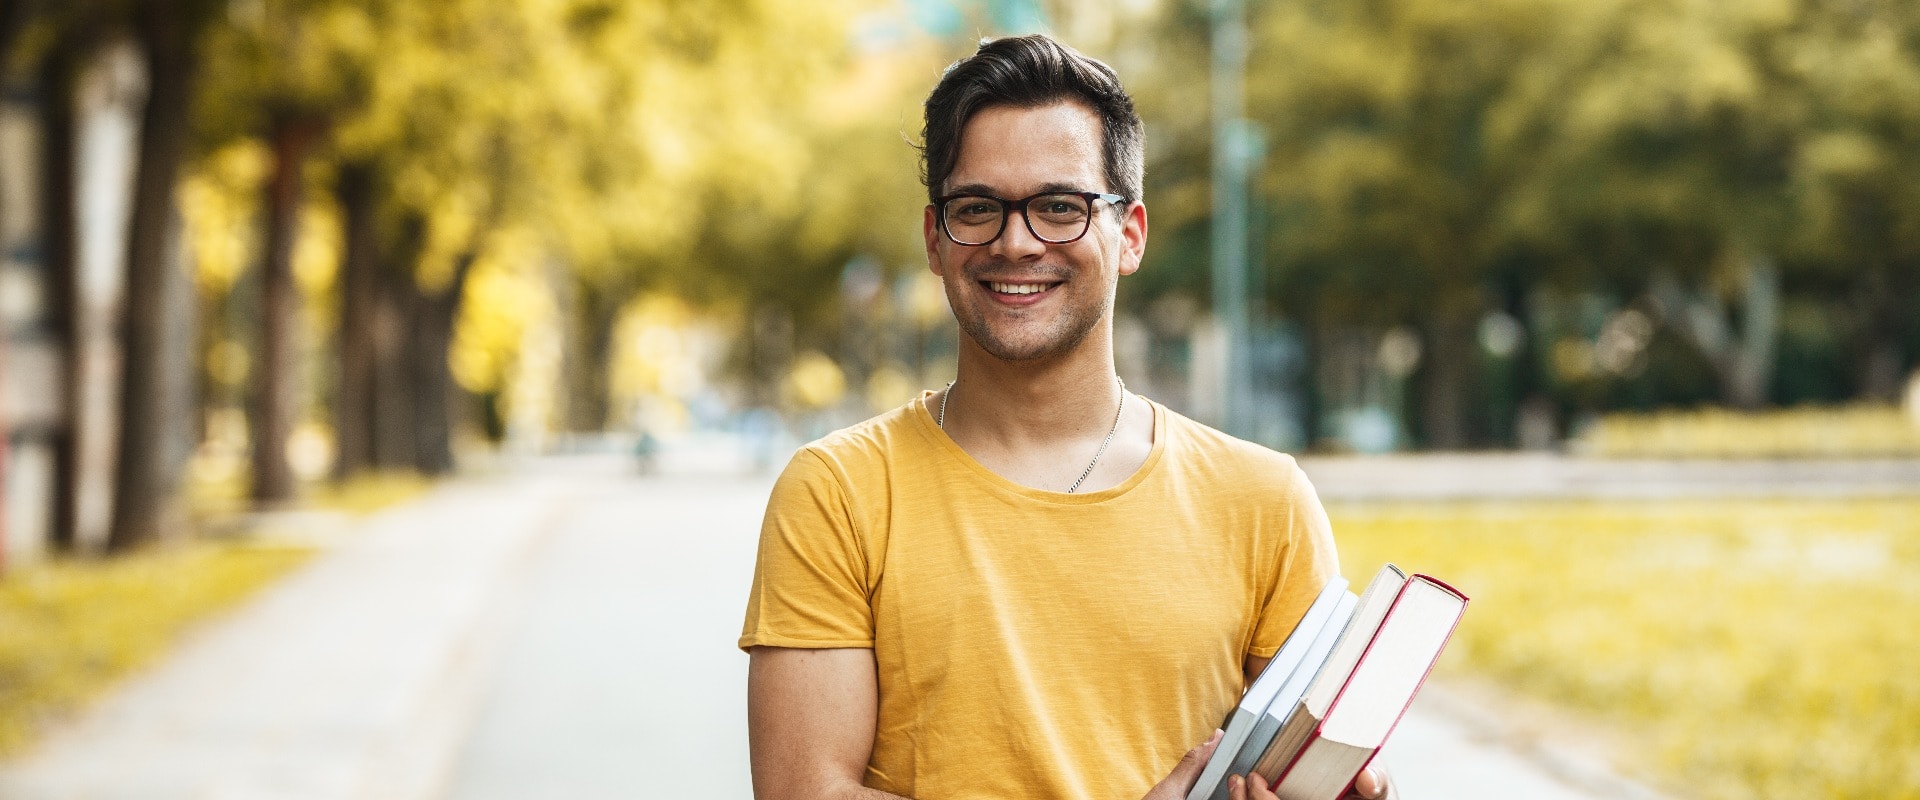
(941,420)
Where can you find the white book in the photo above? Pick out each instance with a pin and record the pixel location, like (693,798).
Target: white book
(1283,678)
(1374,602)
(1362,691)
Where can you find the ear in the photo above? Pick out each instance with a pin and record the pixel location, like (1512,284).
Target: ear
(930,228)
(1133,238)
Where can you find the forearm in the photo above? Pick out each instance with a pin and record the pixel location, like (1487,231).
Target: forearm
(823,789)
(853,792)
(810,723)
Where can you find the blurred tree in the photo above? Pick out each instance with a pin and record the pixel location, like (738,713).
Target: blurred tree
(57,41)
(1429,163)
(1666,135)
(754,149)
(1856,181)
(157,405)
(283,73)
(1387,179)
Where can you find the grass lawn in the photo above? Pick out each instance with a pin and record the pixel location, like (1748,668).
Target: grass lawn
(1745,648)
(69,629)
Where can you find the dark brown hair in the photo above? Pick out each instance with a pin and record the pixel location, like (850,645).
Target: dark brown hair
(1028,72)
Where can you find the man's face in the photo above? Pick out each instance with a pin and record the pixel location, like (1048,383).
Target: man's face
(1017,297)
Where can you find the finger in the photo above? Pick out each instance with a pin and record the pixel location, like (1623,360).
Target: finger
(1185,774)
(1236,788)
(1371,784)
(1188,770)
(1258,789)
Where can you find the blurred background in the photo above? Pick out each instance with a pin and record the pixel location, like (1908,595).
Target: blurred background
(270,255)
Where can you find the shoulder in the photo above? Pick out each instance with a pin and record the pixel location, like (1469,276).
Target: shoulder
(1217,456)
(864,451)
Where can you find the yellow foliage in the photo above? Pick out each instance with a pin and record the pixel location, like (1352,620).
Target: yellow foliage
(890,386)
(218,202)
(926,300)
(229,363)
(368,492)
(816,381)
(1846,432)
(316,248)
(656,351)
(506,297)
(68,630)
(1747,648)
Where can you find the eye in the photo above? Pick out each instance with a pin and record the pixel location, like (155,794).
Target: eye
(972,209)
(1060,208)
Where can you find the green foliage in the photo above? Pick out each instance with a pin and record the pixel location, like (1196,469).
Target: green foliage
(69,630)
(1427,161)
(1746,648)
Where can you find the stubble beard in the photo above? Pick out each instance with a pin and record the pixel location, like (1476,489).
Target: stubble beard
(1063,335)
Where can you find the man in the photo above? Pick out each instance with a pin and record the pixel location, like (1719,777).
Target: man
(1030,584)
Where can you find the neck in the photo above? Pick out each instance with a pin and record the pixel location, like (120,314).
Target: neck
(1060,399)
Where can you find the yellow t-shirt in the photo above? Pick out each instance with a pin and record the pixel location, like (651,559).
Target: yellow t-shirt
(1034,644)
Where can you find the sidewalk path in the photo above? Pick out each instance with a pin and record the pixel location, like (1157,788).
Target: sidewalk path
(565,631)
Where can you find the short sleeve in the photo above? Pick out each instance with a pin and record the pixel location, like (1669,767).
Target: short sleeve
(809,582)
(1306,561)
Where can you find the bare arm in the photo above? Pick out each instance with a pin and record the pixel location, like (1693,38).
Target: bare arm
(1250,669)
(810,722)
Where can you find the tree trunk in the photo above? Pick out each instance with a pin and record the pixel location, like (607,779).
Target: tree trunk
(6,436)
(156,437)
(13,20)
(60,233)
(278,361)
(395,303)
(353,418)
(434,391)
(1749,373)
(1446,383)
(1312,404)
(108,112)
(1742,354)
(589,340)
(1887,309)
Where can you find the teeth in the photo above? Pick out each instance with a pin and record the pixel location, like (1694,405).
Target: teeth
(1017,288)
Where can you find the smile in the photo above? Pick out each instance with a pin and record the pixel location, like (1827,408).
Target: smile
(1018,288)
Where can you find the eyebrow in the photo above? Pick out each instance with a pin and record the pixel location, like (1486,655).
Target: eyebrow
(983,189)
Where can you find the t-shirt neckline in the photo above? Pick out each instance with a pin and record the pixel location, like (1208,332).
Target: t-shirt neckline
(924,423)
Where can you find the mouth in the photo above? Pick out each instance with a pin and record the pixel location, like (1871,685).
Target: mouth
(1018,289)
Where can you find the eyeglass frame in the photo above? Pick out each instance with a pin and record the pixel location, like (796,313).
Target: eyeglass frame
(1007,207)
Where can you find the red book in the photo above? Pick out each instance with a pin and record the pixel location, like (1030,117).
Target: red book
(1355,702)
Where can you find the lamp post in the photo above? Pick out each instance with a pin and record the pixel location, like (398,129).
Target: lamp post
(1232,146)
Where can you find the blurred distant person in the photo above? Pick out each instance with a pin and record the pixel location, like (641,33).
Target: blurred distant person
(1030,583)
(646,452)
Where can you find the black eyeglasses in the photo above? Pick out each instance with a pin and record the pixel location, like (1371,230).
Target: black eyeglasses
(1052,217)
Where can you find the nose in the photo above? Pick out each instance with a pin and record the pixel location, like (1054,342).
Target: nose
(1017,241)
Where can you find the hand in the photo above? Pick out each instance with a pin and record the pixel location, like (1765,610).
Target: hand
(1372,784)
(1186,773)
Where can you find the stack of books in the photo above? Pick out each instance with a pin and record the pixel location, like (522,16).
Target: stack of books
(1333,692)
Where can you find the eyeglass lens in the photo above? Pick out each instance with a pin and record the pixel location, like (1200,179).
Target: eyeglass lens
(1055,218)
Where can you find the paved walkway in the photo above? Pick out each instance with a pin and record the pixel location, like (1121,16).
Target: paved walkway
(562,632)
